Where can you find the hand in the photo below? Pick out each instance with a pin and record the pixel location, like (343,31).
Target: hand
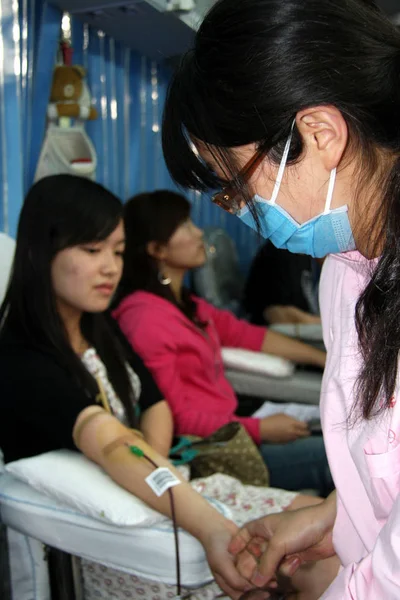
(284,540)
(311,580)
(215,538)
(281,428)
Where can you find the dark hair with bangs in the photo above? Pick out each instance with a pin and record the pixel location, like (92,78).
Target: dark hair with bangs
(153,217)
(59,212)
(254,66)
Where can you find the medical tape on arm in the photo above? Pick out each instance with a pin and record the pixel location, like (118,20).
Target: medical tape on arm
(126,440)
(78,431)
(160,480)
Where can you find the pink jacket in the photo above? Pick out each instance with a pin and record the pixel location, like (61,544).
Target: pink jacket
(364,458)
(186,361)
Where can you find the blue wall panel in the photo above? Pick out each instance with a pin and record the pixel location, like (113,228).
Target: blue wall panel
(128,91)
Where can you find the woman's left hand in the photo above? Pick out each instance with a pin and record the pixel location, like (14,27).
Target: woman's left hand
(215,538)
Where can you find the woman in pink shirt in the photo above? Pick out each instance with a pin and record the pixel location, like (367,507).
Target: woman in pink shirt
(293,110)
(179,337)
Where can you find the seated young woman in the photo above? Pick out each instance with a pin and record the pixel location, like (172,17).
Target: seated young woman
(57,346)
(179,337)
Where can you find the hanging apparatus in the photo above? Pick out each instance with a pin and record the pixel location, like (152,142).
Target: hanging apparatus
(66,147)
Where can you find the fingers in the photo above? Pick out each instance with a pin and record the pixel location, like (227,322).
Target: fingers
(228,572)
(303,433)
(269,563)
(300,428)
(257,546)
(257,531)
(239,541)
(289,566)
(246,564)
(234,594)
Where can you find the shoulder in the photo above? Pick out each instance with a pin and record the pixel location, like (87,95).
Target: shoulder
(143,313)
(148,322)
(205,310)
(141,305)
(21,361)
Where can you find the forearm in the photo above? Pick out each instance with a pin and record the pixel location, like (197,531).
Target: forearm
(289,314)
(98,440)
(291,349)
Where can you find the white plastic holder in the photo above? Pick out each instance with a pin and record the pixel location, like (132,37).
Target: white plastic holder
(67,150)
(180,5)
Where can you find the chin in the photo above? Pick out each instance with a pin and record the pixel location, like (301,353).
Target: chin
(202,261)
(97,307)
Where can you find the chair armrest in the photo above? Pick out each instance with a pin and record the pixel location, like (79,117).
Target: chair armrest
(303,387)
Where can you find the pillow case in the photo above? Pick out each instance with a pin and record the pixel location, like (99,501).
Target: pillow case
(74,480)
(256,362)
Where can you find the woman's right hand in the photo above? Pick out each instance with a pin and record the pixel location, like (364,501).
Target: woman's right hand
(281,428)
(284,541)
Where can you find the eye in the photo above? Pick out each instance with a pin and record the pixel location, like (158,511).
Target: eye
(90,249)
(120,253)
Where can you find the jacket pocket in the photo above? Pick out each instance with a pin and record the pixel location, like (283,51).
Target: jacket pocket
(384,471)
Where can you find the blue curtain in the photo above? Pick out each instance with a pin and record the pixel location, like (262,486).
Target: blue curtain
(128,91)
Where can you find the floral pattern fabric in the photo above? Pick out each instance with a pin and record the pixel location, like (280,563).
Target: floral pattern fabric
(244,501)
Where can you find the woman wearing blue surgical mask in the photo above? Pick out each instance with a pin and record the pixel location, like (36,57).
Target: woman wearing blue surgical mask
(292,109)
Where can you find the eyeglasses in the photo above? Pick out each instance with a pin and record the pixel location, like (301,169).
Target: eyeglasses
(226,198)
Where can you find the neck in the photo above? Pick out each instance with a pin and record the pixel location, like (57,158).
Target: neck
(72,323)
(176,276)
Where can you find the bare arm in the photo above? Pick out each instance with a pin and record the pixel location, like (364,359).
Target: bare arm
(95,431)
(157,426)
(289,314)
(286,347)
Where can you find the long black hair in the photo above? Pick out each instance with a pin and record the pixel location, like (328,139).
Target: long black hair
(254,66)
(152,217)
(59,212)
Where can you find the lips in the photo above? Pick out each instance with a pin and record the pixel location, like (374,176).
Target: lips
(105,288)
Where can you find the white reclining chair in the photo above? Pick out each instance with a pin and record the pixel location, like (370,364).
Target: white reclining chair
(37,525)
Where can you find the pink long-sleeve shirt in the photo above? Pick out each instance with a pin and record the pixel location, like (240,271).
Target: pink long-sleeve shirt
(186,361)
(364,458)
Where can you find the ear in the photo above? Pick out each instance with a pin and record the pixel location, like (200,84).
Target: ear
(156,250)
(325,132)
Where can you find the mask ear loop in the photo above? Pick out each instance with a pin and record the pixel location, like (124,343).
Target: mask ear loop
(282,166)
(329,196)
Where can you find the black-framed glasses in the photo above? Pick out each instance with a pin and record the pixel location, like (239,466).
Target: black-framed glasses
(225,199)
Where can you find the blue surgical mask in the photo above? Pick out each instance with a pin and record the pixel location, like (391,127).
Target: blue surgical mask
(327,233)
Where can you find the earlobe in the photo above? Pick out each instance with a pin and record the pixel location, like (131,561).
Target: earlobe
(155,250)
(324,130)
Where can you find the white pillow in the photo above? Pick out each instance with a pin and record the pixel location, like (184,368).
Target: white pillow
(79,483)
(256,362)
(309,332)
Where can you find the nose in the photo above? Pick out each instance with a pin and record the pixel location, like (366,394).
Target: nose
(112,263)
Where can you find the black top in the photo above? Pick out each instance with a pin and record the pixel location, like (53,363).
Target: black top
(40,401)
(279,277)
